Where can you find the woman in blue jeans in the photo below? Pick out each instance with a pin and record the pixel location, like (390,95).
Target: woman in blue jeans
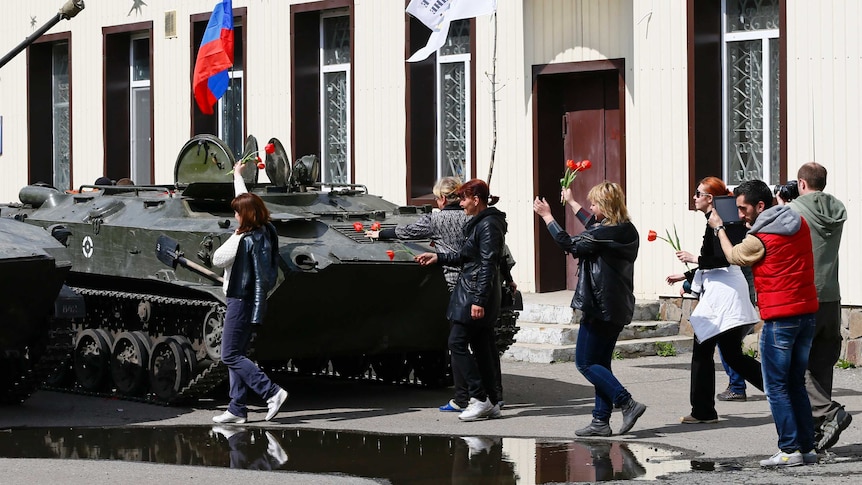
(606,252)
(249,258)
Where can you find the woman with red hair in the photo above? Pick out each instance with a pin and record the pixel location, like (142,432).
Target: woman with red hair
(724,314)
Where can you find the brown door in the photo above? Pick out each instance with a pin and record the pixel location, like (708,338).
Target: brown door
(589,133)
(589,121)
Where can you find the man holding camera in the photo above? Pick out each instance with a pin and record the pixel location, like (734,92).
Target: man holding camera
(778,249)
(825,215)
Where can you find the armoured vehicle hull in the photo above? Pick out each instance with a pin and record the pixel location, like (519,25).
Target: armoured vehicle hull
(33,266)
(343,304)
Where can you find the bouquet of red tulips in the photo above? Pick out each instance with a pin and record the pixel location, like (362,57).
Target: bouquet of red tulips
(572,169)
(269,149)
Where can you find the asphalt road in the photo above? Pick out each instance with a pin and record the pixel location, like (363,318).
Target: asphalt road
(545,401)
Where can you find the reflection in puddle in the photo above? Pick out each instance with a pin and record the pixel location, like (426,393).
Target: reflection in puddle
(398,459)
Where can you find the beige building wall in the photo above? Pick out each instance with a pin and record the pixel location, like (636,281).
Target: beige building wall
(823,102)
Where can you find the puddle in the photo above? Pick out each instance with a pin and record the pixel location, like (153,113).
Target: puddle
(394,458)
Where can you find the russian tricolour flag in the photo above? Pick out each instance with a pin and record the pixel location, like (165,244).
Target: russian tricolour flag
(214,58)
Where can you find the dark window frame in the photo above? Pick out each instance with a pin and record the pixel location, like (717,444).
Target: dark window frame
(116,117)
(305,110)
(37,130)
(421,151)
(201,123)
(705,126)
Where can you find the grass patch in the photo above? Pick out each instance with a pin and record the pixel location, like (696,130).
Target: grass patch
(617,355)
(665,349)
(845,364)
(751,352)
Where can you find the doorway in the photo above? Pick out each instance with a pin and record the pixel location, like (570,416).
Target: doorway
(578,114)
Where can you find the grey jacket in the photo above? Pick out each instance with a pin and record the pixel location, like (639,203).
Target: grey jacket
(825,216)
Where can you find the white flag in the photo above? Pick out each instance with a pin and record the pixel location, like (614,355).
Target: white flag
(438,14)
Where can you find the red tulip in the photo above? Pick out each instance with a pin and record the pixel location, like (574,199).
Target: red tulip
(261,165)
(357,226)
(586,164)
(391,254)
(375,226)
(652,236)
(571,165)
(269,148)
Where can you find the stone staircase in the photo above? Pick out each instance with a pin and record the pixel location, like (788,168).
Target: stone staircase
(549,331)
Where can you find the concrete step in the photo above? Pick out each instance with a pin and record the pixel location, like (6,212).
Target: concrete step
(565,334)
(555,308)
(648,346)
(640,329)
(627,349)
(540,353)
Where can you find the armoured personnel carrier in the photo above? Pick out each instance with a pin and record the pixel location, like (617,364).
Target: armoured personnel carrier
(33,266)
(142,259)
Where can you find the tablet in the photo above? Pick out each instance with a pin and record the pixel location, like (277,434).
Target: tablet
(725,205)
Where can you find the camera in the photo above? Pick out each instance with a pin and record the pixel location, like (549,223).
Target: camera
(788,191)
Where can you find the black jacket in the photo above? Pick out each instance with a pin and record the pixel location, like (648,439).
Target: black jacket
(480,259)
(711,254)
(606,255)
(255,269)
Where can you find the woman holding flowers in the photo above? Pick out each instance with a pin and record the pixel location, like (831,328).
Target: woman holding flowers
(249,258)
(474,306)
(724,314)
(606,252)
(444,227)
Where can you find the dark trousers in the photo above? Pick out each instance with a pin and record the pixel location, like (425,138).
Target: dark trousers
(702,389)
(242,372)
(477,369)
(593,354)
(462,395)
(825,351)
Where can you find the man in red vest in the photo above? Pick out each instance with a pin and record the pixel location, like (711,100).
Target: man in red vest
(778,249)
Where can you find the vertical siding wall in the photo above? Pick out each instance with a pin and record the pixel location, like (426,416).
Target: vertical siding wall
(823,102)
(651,36)
(824,112)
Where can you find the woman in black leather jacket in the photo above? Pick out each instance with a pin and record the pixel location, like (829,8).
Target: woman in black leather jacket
(249,258)
(474,305)
(606,253)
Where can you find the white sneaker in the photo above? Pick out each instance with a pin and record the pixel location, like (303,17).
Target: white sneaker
(227,432)
(477,445)
(274,449)
(476,410)
(783,459)
(274,404)
(228,418)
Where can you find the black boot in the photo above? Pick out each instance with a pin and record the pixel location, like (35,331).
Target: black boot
(632,410)
(597,427)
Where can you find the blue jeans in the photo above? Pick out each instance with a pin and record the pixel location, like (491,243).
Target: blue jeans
(243,373)
(593,354)
(736,383)
(784,347)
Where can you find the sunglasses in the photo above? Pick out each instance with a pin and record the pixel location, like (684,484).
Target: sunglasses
(698,193)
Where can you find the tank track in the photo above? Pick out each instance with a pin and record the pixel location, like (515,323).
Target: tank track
(209,374)
(56,353)
(100,303)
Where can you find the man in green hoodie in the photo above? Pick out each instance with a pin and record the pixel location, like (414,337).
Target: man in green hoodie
(825,215)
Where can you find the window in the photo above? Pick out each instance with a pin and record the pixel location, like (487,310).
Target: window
(322,57)
(228,122)
(335,97)
(453,111)
(440,100)
(48,107)
(736,120)
(61,136)
(128,102)
(751,91)
(139,133)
